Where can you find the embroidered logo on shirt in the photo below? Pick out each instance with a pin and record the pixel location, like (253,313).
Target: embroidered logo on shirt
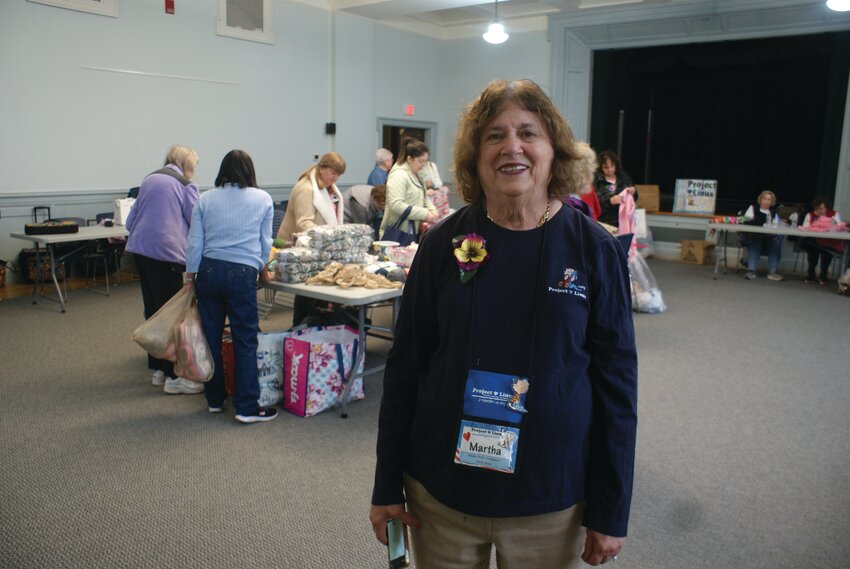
(571,284)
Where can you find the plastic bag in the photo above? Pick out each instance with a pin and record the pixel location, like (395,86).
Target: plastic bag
(646,296)
(646,245)
(844,283)
(270,367)
(194,360)
(317,366)
(156,334)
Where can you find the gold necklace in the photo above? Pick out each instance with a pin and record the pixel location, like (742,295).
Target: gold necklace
(540,223)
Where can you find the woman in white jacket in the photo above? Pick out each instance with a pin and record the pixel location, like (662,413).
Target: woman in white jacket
(405,189)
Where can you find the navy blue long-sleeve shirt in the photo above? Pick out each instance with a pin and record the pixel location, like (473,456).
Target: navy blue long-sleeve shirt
(577,441)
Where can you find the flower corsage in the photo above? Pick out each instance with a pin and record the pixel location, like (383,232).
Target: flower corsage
(470,254)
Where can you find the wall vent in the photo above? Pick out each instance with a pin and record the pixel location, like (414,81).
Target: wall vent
(250,20)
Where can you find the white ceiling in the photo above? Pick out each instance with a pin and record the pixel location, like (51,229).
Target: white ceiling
(452,19)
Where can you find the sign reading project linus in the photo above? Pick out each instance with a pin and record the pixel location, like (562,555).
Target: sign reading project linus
(695,196)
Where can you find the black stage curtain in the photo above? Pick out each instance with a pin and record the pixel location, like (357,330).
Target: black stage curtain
(752,114)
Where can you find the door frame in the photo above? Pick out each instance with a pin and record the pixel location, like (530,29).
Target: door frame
(429,127)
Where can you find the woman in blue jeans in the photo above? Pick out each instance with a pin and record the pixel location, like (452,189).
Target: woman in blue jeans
(230,241)
(759,215)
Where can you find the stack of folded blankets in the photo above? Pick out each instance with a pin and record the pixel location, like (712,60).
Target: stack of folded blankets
(315,248)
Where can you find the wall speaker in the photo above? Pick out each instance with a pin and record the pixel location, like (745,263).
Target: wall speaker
(330,128)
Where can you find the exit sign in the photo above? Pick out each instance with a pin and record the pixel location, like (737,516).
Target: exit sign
(409,110)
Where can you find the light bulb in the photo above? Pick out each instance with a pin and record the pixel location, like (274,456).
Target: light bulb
(838,5)
(495,33)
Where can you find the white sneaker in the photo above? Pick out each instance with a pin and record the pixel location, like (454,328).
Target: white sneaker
(158,378)
(184,386)
(775,277)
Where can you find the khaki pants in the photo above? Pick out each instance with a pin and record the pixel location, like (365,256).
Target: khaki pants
(449,539)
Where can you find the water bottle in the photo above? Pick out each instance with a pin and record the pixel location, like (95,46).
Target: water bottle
(793,218)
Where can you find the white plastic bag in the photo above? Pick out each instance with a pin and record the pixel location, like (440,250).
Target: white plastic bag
(270,367)
(844,283)
(646,245)
(646,296)
(122,209)
(194,360)
(156,334)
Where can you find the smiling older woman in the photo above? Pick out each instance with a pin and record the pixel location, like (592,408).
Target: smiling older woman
(509,409)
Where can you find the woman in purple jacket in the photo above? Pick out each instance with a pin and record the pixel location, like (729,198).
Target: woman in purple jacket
(159,231)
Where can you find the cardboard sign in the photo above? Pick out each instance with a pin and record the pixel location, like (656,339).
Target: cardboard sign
(695,196)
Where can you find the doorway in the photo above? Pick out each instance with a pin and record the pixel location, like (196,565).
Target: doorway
(393,131)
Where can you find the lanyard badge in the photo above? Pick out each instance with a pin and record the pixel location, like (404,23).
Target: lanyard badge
(493,407)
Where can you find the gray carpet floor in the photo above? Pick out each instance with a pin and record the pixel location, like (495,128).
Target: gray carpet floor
(743,443)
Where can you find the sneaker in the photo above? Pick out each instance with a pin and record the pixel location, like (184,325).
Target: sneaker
(750,276)
(822,281)
(179,385)
(259,417)
(809,281)
(216,408)
(775,277)
(158,378)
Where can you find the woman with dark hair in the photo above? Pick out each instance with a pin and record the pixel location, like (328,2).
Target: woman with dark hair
(405,190)
(159,230)
(229,244)
(509,409)
(611,181)
(821,218)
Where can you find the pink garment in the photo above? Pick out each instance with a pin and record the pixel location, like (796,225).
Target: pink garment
(627,219)
(824,224)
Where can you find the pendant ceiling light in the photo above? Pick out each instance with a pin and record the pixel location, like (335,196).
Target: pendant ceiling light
(838,5)
(496,31)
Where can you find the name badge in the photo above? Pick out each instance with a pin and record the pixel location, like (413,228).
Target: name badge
(495,396)
(484,445)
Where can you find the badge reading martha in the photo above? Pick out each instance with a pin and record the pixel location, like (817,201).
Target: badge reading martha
(487,446)
(495,396)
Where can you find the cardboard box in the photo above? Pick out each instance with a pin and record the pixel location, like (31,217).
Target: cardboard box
(695,251)
(649,197)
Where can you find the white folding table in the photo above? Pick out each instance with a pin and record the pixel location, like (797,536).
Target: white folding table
(85,234)
(723,229)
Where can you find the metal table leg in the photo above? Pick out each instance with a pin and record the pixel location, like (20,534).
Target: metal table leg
(358,359)
(39,280)
(721,234)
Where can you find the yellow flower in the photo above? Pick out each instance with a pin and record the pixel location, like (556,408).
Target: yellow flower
(470,252)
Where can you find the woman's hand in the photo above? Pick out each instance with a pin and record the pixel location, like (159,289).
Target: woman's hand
(600,548)
(188,280)
(380,515)
(615,200)
(631,190)
(433,217)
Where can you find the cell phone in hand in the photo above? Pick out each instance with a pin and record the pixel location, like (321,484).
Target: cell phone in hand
(396,548)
